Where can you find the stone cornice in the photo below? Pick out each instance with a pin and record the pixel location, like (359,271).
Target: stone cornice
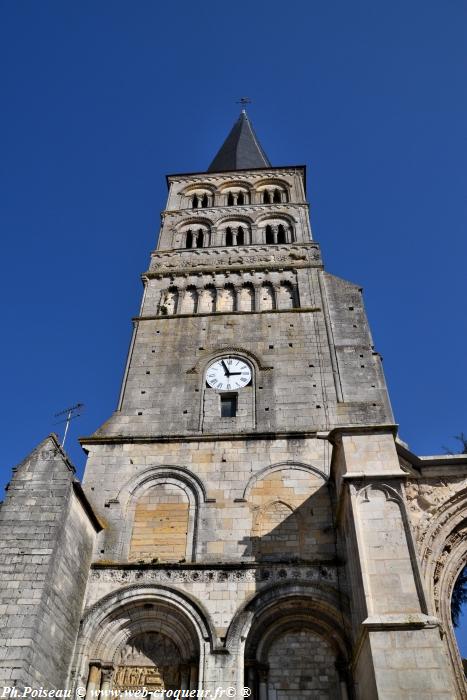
(224,210)
(303,309)
(431,462)
(215,565)
(209,269)
(335,435)
(195,437)
(237,174)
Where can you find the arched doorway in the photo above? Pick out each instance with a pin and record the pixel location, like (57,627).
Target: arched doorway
(141,637)
(295,650)
(441,535)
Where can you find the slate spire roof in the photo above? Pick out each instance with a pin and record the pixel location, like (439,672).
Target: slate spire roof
(241,149)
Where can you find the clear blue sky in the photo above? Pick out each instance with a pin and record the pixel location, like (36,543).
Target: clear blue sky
(101,99)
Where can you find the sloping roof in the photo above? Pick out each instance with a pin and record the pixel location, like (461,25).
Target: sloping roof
(241,149)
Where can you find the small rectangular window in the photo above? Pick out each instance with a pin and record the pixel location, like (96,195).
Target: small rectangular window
(228,405)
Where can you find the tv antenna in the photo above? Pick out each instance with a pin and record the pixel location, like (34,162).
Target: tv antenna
(70,413)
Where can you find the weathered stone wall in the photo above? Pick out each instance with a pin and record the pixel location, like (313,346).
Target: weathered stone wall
(46,541)
(297,375)
(222,589)
(310,670)
(232,484)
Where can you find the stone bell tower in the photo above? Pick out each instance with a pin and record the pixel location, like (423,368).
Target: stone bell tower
(249,487)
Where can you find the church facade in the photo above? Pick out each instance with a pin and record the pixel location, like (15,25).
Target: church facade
(248,517)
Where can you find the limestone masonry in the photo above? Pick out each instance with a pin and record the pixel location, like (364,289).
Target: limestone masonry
(248,517)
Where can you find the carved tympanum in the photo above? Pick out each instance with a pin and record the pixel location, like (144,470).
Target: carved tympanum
(150,660)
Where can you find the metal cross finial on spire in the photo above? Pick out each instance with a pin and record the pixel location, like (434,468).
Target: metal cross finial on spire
(244,101)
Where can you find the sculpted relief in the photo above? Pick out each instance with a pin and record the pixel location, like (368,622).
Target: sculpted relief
(162,262)
(148,660)
(424,498)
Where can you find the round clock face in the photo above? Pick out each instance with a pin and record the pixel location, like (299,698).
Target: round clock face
(228,373)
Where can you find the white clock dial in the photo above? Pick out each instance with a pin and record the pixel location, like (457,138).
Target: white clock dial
(228,374)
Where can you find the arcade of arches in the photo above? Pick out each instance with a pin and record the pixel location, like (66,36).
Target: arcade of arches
(166,645)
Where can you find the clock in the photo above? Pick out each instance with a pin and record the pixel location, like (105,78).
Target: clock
(228,373)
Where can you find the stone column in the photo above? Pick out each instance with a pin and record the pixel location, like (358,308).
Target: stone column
(252,680)
(214,237)
(94,679)
(184,677)
(277,292)
(263,684)
(106,677)
(194,675)
(257,297)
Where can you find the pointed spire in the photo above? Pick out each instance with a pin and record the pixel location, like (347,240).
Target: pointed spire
(241,149)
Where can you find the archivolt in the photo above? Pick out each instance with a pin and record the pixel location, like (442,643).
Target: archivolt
(110,622)
(155,473)
(289,464)
(316,604)
(443,555)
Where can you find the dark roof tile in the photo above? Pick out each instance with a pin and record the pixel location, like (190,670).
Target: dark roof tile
(241,149)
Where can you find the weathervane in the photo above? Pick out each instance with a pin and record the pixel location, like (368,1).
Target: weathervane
(244,101)
(71,412)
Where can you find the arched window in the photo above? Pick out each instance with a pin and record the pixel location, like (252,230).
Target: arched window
(226,299)
(204,201)
(266,197)
(246,298)
(240,236)
(277,196)
(266,300)
(285,296)
(207,301)
(194,202)
(228,236)
(199,238)
(281,234)
(241,198)
(189,301)
(269,234)
(189,239)
(230,200)
(161,524)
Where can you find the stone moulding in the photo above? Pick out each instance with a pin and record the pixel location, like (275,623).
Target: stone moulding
(302,309)
(288,464)
(261,574)
(179,269)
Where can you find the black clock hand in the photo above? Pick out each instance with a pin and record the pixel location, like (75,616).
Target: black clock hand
(227,373)
(231,373)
